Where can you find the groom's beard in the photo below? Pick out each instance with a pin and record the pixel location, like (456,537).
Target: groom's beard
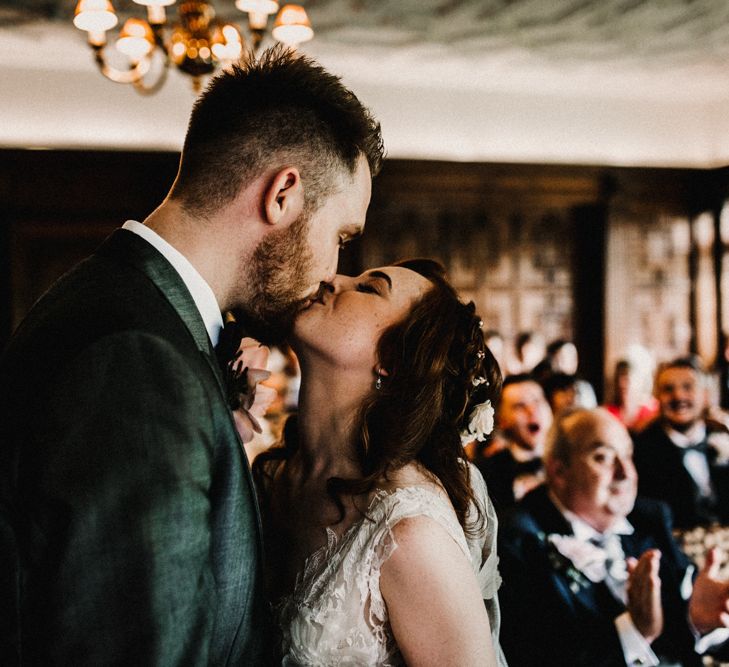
(278,275)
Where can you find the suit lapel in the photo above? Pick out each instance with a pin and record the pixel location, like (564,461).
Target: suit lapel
(130,248)
(595,597)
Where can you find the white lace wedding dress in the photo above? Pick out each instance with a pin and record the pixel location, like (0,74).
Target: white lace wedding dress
(336,614)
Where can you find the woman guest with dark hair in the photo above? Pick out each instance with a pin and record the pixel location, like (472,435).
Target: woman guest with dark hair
(380,536)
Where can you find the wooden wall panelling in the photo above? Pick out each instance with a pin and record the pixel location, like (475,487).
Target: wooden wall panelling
(42,251)
(57,208)
(6,288)
(705,303)
(589,266)
(521,240)
(505,232)
(650,277)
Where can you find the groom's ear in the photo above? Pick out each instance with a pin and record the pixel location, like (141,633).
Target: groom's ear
(283,199)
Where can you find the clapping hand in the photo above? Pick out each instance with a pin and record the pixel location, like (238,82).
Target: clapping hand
(644,594)
(709,604)
(250,363)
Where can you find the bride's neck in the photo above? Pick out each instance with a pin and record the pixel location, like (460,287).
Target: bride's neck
(329,408)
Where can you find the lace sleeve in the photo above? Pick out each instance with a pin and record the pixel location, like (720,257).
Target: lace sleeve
(482,547)
(404,503)
(486,560)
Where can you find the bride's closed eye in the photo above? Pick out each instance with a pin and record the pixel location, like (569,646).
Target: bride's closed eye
(367,287)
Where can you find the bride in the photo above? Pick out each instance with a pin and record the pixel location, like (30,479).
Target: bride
(380,538)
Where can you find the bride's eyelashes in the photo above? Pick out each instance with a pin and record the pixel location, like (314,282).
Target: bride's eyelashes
(367,287)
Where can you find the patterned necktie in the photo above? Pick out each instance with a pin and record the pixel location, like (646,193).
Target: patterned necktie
(616,572)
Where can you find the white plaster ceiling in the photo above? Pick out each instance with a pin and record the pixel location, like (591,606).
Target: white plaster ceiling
(626,82)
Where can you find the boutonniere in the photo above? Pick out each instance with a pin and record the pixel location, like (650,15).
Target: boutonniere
(247,397)
(581,562)
(719,442)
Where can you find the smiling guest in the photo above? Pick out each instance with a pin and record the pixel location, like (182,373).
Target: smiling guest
(681,458)
(523,419)
(592,575)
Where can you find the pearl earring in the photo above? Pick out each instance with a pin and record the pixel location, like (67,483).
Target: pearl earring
(378,383)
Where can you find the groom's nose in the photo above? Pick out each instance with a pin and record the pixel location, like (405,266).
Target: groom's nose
(331,275)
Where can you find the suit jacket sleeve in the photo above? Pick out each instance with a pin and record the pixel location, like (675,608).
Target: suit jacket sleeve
(122,488)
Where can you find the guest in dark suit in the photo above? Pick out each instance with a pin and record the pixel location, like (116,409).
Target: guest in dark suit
(129,531)
(682,458)
(591,576)
(523,419)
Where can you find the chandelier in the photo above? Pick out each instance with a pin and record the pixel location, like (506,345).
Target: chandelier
(197,44)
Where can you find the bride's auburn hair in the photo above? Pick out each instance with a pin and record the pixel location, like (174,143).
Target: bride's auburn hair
(432,358)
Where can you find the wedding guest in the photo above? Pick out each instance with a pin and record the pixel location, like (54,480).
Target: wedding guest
(564,391)
(682,458)
(528,350)
(592,576)
(129,527)
(523,419)
(561,358)
(631,404)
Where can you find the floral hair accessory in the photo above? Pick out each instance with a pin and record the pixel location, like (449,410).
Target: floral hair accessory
(480,380)
(480,354)
(480,423)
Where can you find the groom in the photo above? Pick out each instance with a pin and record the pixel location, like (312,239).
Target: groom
(129,531)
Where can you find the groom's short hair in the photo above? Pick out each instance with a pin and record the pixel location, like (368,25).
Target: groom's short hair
(268,112)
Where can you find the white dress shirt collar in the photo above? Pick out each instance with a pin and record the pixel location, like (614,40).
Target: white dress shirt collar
(583,530)
(695,435)
(201,292)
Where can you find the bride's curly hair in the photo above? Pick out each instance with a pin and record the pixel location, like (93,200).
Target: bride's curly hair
(432,358)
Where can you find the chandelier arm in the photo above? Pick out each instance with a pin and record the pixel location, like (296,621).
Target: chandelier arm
(131,75)
(149,89)
(256,37)
(192,40)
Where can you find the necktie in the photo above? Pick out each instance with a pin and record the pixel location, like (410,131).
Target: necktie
(616,572)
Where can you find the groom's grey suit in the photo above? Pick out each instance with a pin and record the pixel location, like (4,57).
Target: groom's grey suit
(129,530)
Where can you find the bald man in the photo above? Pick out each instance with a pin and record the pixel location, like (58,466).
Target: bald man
(592,575)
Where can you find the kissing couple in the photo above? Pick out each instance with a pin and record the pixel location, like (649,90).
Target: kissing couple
(130,528)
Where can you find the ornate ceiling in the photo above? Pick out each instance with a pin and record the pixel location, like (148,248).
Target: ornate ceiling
(599,80)
(658,32)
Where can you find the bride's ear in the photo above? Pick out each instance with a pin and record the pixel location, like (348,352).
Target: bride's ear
(382,372)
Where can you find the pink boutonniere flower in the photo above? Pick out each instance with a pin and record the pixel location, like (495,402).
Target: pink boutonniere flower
(246,372)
